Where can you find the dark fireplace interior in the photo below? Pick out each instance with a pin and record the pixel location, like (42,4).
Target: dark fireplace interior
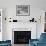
(22,37)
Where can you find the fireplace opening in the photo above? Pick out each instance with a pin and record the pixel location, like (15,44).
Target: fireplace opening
(22,37)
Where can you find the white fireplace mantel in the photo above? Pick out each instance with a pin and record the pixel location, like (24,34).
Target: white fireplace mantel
(26,27)
(23,26)
(21,29)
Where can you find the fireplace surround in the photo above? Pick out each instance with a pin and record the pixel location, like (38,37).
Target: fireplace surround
(21,35)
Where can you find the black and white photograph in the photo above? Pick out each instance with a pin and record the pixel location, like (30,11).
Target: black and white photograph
(22,10)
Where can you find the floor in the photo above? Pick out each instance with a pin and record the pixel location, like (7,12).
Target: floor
(20,45)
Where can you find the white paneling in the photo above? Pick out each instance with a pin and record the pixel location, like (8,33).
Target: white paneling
(1,25)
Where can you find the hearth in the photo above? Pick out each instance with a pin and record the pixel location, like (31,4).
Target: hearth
(22,37)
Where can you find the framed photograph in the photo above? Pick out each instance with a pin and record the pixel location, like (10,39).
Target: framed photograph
(22,10)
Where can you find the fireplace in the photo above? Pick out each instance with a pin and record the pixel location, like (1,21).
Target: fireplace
(22,37)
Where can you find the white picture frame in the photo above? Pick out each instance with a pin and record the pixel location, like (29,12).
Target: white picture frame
(22,10)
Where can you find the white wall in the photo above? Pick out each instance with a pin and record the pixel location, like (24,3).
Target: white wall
(4,24)
(34,3)
(1,25)
(40,26)
(11,12)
